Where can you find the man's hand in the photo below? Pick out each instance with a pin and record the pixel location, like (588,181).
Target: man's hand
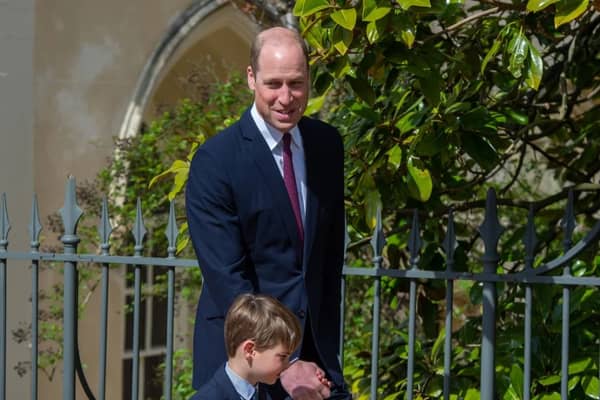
(305,381)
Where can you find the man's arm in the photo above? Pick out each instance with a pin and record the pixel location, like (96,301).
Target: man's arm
(215,231)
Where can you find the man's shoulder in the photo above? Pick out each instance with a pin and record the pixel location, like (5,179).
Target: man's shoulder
(317,124)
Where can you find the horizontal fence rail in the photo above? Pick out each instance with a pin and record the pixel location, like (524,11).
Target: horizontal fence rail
(490,232)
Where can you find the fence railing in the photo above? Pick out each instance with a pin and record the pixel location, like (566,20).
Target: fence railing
(490,232)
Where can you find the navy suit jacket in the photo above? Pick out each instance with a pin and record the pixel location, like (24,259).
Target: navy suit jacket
(219,387)
(243,230)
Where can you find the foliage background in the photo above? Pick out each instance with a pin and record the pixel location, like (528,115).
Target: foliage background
(436,102)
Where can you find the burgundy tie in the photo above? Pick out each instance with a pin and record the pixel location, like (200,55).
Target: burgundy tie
(290,183)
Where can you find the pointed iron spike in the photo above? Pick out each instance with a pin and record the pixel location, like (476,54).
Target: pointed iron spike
(449,243)
(414,241)
(568,222)
(171,231)
(378,240)
(491,230)
(346,235)
(139,230)
(4,223)
(530,238)
(35,226)
(104,228)
(70,211)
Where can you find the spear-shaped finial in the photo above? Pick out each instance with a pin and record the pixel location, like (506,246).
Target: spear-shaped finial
(104,228)
(414,241)
(172,231)
(491,230)
(4,224)
(35,226)
(139,230)
(449,243)
(70,211)
(378,240)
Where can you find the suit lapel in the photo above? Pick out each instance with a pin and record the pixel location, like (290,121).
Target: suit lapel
(270,172)
(310,144)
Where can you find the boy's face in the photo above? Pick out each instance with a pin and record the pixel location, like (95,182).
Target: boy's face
(269,363)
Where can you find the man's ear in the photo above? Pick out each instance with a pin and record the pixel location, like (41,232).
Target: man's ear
(248,346)
(251,77)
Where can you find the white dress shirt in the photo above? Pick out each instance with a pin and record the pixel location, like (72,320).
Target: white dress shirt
(274,140)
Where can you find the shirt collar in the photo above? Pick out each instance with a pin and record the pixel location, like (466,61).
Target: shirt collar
(271,135)
(242,386)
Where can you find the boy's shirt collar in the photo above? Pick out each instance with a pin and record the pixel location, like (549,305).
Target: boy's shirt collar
(242,386)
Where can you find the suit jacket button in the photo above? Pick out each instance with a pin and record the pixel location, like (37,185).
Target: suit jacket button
(301,314)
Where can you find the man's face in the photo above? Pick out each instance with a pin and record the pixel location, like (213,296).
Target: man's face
(280,85)
(269,363)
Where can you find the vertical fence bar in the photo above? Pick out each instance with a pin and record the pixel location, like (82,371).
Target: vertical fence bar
(530,241)
(70,216)
(4,228)
(414,245)
(343,296)
(490,232)
(104,231)
(171,234)
(34,231)
(139,231)
(342,320)
(449,248)
(568,225)
(377,242)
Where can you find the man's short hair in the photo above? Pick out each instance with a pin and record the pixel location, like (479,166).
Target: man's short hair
(264,320)
(260,40)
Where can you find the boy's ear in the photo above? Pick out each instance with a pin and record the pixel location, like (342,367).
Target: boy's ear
(248,347)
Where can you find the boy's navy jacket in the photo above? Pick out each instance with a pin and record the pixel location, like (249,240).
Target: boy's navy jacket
(219,387)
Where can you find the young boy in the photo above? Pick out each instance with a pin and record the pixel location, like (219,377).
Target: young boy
(260,335)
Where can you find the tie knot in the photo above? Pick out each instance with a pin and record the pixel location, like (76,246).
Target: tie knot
(287,140)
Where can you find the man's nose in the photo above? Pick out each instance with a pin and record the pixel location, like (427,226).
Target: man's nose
(285,96)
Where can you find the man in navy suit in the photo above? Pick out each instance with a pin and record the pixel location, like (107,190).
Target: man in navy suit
(265,210)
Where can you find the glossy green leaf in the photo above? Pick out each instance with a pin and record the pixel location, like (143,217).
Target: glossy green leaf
(438,345)
(345,18)
(177,167)
(314,36)
(304,8)
(395,156)
(408,37)
(371,11)
(419,184)
(591,386)
(472,394)
(409,121)
(480,150)
(537,5)
(568,10)
(535,68)
(516,379)
(518,49)
(406,4)
(363,89)
(491,52)
(516,116)
(579,366)
(314,105)
(342,38)
(549,380)
(374,32)
(372,203)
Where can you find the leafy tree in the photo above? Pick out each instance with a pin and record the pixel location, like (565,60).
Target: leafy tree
(438,101)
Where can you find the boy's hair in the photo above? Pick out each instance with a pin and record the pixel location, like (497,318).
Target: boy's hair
(264,320)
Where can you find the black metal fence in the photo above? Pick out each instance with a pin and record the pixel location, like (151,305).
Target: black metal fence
(490,232)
